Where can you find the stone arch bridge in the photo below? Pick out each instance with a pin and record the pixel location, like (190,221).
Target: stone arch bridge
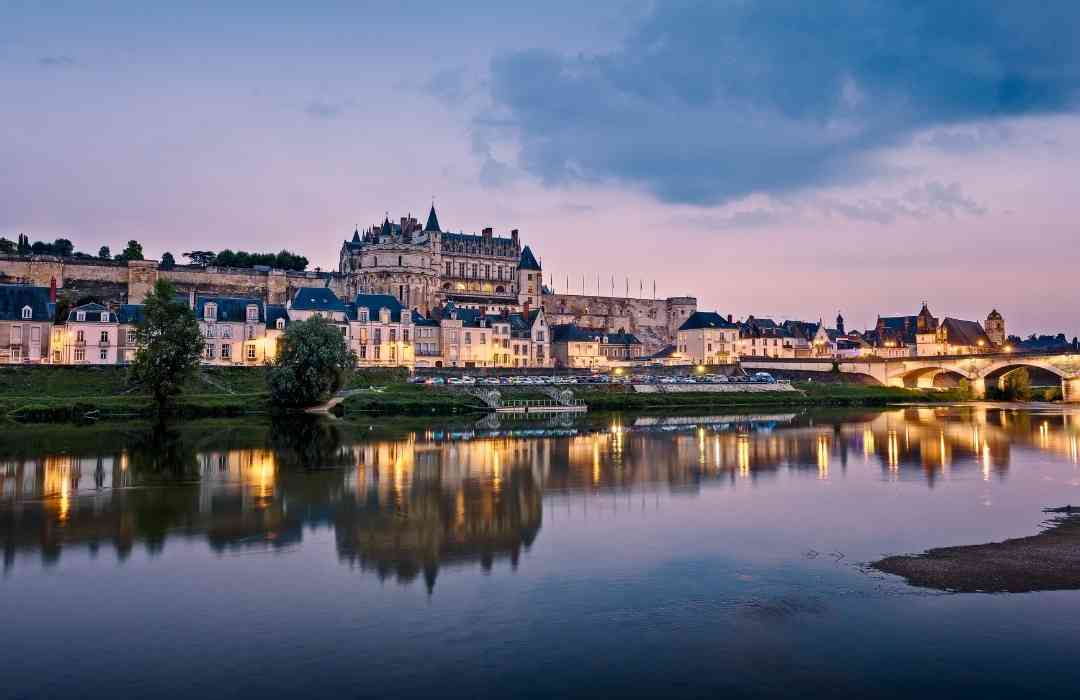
(980,371)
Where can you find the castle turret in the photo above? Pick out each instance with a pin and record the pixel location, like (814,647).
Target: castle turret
(530,279)
(840,324)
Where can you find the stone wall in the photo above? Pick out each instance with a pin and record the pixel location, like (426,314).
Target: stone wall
(654,321)
(117,282)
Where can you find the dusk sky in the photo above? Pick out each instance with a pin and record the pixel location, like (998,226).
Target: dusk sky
(774,158)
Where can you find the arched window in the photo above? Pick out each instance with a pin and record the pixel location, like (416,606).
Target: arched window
(27,313)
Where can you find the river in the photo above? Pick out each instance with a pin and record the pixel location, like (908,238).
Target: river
(625,555)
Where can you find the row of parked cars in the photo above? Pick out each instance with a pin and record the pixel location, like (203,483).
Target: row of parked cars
(514,380)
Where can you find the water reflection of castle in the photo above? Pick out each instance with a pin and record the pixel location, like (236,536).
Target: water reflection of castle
(405,508)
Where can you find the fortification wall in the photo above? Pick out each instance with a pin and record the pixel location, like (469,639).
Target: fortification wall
(654,321)
(116,282)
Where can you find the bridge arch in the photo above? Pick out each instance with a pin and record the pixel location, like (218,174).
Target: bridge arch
(1004,367)
(934,376)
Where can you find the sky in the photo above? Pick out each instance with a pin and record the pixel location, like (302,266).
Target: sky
(771,158)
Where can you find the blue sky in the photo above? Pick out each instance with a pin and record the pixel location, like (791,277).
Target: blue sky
(787,159)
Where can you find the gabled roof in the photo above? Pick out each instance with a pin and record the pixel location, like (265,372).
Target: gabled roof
(432,220)
(375,303)
(317,299)
(274,312)
(705,319)
(131,313)
(14,297)
(571,332)
(960,332)
(228,308)
(528,260)
(92,313)
(622,338)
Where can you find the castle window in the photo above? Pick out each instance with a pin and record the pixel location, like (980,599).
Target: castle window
(376,261)
(280,324)
(461,269)
(363,315)
(473,270)
(399,262)
(449,269)
(251,351)
(252,312)
(487,271)
(27,313)
(80,316)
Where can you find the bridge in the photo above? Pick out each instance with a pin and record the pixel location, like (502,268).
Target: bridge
(980,371)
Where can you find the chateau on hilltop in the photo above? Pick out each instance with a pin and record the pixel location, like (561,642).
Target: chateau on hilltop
(481,287)
(425,268)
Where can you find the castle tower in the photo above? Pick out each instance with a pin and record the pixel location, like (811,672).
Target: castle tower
(995,328)
(840,324)
(530,279)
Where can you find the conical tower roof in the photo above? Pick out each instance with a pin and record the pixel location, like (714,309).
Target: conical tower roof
(528,260)
(432,221)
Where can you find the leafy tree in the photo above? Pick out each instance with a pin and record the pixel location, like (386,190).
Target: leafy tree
(103,252)
(167,261)
(1018,385)
(313,363)
(200,257)
(64,247)
(169,345)
(133,251)
(7,247)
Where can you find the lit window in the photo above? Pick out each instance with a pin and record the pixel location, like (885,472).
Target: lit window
(226,351)
(251,351)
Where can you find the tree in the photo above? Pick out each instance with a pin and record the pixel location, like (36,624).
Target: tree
(167,261)
(1018,385)
(313,363)
(23,247)
(201,257)
(64,247)
(169,345)
(103,252)
(7,247)
(133,251)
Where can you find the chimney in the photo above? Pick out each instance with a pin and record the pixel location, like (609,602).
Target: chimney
(729,318)
(525,308)
(487,232)
(52,290)
(514,235)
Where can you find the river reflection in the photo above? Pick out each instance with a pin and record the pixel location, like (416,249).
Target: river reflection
(406,503)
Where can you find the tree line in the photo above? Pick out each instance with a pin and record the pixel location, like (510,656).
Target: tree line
(283,260)
(63,247)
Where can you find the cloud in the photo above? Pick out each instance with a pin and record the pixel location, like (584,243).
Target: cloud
(922,202)
(707,102)
(62,61)
(448,85)
(321,109)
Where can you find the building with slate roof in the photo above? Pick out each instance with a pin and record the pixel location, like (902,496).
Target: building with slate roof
(427,267)
(708,338)
(234,329)
(89,336)
(26,316)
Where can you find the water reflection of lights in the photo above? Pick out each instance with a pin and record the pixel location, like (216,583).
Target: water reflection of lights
(823,454)
(893,449)
(986,461)
(868,445)
(1044,434)
(743,454)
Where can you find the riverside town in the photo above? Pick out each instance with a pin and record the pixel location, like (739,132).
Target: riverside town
(414,296)
(553,351)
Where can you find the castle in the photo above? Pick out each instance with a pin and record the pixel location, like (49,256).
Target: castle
(423,267)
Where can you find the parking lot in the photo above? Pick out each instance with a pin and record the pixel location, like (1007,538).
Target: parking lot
(594,379)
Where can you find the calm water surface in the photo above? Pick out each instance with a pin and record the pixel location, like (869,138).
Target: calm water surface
(629,556)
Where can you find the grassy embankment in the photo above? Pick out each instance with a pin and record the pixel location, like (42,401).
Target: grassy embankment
(56,394)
